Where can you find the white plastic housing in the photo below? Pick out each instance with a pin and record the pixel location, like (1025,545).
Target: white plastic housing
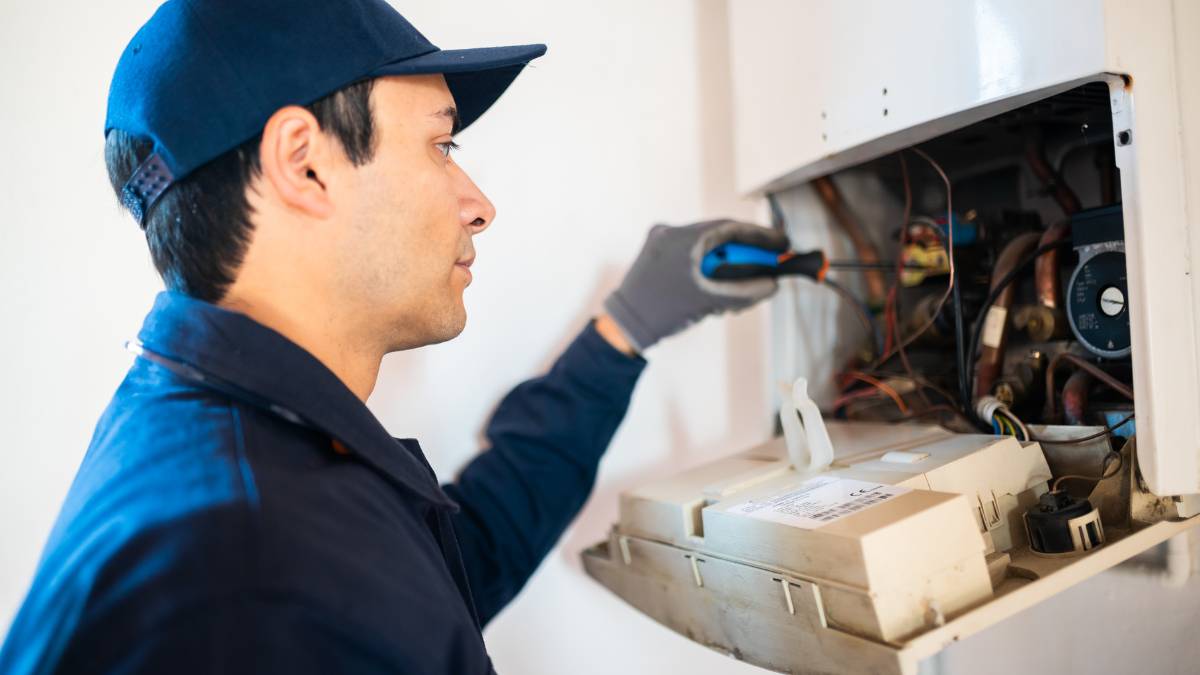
(824,85)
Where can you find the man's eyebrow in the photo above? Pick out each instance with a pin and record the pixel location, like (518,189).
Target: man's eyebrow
(450,113)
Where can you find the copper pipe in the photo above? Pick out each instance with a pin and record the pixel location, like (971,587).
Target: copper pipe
(995,325)
(1045,268)
(1063,194)
(1091,368)
(865,249)
(1046,321)
(1075,396)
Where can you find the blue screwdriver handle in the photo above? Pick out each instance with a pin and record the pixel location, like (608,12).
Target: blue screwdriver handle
(743,261)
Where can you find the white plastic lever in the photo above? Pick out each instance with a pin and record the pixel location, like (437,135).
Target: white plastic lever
(808,444)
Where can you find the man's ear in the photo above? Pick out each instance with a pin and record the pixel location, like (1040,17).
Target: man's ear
(295,157)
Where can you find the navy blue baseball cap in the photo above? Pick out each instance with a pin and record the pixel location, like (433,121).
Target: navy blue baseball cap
(203,76)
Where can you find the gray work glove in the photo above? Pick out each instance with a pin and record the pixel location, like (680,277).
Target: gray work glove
(665,292)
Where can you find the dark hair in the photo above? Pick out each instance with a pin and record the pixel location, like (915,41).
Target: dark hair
(199,229)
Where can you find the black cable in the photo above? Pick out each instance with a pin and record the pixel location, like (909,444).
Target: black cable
(863,312)
(860,308)
(960,340)
(1107,431)
(977,328)
(956,279)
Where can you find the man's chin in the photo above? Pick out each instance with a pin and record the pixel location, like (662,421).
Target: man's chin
(442,329)
(448,335)
(449,328)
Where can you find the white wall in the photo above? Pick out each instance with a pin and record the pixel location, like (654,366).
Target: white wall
(624,123)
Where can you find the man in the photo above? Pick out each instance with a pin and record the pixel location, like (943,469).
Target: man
(239,508)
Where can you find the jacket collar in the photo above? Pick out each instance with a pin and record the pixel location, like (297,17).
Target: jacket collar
(239,357)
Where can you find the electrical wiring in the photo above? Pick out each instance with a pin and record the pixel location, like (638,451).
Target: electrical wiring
(998,422)
(1026,436)
(893,297)
(866,393)
(931,225)
(959,327)
(881,386)
(991,410)
(1082,364)
(925,412)
(1006,422)
(918,381)
(1104,474)
(855,395)
(920,384)
(883,340)
(951,282)
(1015,423)
(891,341)
(1005,427)
(1107,431)
(860,308)
(1012,427)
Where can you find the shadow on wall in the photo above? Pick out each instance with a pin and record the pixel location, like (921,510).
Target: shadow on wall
(607,280)
(746,395)
(745,339)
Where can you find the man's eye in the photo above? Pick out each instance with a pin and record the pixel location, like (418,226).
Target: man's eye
(447,147)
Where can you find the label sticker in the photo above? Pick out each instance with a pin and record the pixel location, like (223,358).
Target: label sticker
(819,501)
(993,326)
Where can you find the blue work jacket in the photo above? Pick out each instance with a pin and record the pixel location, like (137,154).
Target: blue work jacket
(239,510)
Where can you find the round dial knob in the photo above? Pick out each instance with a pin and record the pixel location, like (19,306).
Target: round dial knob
(1112,301)
(1098,304)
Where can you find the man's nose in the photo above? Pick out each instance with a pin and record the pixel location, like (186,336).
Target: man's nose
(475,210)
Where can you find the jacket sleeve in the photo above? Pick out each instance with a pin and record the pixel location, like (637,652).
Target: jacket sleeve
(546,439)
(251,634)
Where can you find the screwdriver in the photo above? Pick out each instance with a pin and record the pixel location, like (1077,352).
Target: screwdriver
(743,261)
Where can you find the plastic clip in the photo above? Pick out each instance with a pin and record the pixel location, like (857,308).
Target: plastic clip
(808,444)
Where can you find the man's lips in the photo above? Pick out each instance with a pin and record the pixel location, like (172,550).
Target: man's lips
(465,266)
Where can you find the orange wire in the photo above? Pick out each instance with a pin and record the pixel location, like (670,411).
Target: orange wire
(881,386)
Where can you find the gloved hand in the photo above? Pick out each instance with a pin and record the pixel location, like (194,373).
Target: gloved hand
(664,292)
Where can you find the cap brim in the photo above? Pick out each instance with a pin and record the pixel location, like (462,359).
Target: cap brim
(475,77)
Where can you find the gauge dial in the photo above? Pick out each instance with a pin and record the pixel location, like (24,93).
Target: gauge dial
(1097,304)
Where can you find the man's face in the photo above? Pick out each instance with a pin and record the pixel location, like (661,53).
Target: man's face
(409,216)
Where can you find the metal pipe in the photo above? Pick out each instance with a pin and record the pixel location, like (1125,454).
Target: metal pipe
(1075,397)
(1092,369)
(995,325)
(1046,321)
(865,249)
(1063,194)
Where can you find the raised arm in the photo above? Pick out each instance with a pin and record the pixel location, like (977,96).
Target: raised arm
(549,433)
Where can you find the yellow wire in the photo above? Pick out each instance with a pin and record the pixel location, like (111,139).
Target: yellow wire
(1006,427)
